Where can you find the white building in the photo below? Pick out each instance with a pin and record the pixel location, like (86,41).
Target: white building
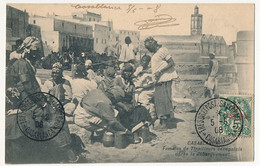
(60,34)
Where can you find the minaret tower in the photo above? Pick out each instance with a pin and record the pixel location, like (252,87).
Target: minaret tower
(196,22)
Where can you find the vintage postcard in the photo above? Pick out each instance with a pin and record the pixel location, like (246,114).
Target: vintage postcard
(129,83)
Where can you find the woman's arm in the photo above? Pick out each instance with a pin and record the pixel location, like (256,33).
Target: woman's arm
(169,65)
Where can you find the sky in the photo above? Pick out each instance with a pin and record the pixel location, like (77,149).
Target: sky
(218,19)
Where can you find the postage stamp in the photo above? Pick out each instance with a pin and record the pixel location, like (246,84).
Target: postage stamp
(219,122)
(245,104)
(41,124)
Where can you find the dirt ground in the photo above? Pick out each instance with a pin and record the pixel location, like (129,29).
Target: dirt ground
(181,143)
(178,144)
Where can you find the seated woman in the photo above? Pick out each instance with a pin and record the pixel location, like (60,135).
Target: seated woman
(61,89)
(91,74)
(81,85)
(131,116)
(96,113)
(108,80)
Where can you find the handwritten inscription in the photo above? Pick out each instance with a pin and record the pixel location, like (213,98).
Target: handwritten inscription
(96,6)
(133,8)
(161,20)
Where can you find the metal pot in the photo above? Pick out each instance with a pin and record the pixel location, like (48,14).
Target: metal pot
(144,133)
(121,141)
(108,139)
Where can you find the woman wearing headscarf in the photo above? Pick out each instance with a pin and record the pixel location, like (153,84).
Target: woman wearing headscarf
(163,71)
(60,88)
(21,83)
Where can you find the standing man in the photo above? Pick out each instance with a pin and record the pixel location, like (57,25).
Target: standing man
(163,73)
(211,81)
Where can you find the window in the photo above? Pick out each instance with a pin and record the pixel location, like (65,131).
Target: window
(75,26)
(34,21)
(89,19)
(62,24)
(96,40)
(94,19)
(105,41)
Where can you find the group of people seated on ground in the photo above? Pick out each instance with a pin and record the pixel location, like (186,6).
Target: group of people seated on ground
(119,98)
(123,97)
(116,101)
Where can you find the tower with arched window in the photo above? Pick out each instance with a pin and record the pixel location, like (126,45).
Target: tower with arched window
(196,22)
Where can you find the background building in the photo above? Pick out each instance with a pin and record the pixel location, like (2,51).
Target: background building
(16,25)
(101,37)
(18,28)
(105,37)
(61,34)
(102,31)
(190,53)
(87,16)
(196,46)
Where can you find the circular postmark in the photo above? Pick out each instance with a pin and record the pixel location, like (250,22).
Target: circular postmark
(219,122)
(42,116)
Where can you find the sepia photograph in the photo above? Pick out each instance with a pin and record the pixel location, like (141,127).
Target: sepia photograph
(129,83)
